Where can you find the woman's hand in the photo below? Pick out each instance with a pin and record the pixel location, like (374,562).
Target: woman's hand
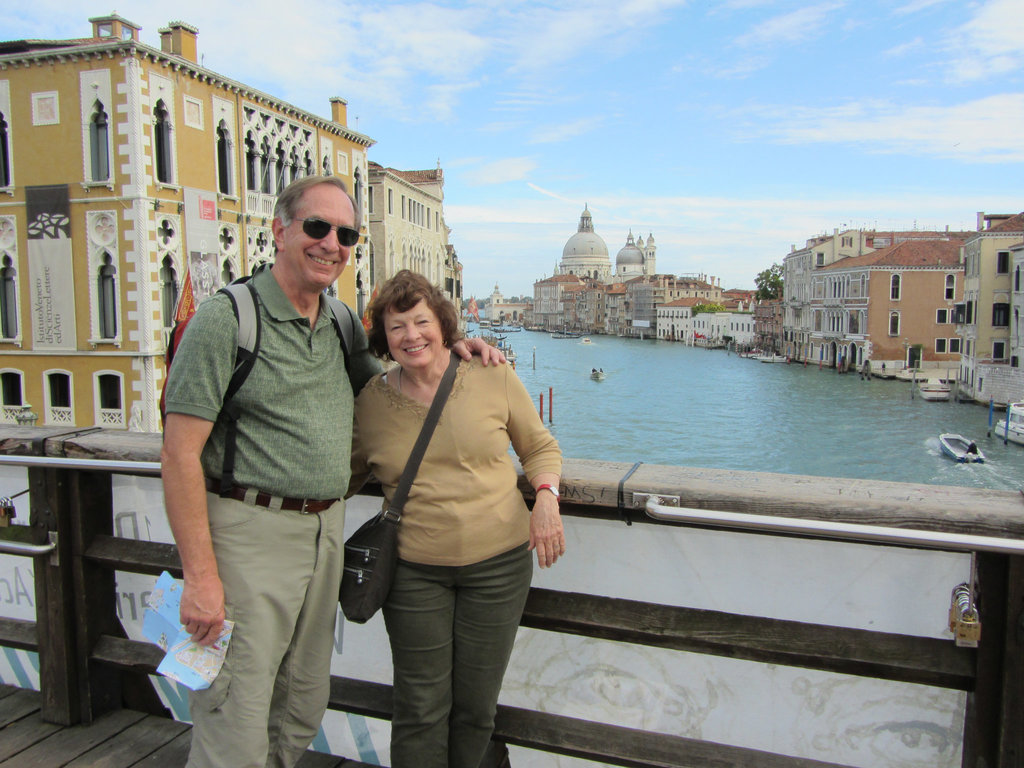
(466,348)
(546,533)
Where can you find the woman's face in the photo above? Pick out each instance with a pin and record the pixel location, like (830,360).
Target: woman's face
(414,337)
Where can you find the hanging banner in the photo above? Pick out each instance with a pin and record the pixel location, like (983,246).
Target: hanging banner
(50,271)
(201,232)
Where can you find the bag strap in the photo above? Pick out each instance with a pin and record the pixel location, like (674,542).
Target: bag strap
(420,447)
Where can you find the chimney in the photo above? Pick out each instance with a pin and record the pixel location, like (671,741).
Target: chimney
(339,110)
(179,39)
(981,220)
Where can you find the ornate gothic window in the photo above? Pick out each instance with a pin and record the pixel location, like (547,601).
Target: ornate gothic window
(251,163)
(8,299)
(99,143)
(168,291)
(107,295)
(162,142)
(5,154)
(223,159)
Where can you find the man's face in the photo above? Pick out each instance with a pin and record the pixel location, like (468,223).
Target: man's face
(311,263)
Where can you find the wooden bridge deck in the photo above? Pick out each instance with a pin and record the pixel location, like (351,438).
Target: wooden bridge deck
(120,739)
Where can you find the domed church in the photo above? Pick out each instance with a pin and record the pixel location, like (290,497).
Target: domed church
(586,255)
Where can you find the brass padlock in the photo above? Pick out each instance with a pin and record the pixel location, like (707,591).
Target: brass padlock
(7,512)
(968,630)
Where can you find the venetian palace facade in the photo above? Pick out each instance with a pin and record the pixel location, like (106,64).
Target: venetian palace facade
(122,168)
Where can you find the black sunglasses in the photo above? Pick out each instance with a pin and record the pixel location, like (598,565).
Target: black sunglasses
(318,229)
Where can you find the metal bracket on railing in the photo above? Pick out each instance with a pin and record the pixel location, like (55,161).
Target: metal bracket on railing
(33,550)
(641,500)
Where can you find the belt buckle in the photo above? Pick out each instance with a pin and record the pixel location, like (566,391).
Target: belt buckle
(302,509)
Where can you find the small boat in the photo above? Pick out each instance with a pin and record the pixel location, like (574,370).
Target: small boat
(596,374)
(773,359)
(1012,427)
(960,448)
(585,340)
(566,335)
(933,389)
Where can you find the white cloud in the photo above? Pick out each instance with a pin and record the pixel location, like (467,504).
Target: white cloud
(986,130)
(556,133)
(787,29)
(500,171)
(989,44)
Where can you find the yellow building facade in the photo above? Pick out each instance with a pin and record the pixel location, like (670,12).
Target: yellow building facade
(124,167)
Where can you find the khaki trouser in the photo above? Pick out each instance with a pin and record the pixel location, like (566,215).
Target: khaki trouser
(281,572)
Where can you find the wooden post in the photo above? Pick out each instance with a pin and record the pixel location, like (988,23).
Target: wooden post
(542,406)
(551,403)
(986,704)
(55,626)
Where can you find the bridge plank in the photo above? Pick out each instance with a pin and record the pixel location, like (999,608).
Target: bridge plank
(775,641)
(65,744)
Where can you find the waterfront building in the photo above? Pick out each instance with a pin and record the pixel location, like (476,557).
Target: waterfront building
(768,325)
(892,305)
(408,231)
(801,265)
(124,168)
(548,307)
(675,320)
(501,311)
(983,319)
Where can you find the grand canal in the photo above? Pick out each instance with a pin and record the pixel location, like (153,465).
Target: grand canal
(667,403)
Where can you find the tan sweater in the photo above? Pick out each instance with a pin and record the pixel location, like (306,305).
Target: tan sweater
(464,505)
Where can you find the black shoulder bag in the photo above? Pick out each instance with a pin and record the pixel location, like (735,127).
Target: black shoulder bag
(371,553)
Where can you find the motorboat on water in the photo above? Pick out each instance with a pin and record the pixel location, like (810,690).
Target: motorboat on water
(585,340)
(933,389)
(1012,426)
(960,448)
(597,374)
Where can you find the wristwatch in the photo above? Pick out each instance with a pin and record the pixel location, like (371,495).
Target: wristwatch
(549,487)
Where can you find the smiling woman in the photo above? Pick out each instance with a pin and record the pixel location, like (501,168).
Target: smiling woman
(466,534)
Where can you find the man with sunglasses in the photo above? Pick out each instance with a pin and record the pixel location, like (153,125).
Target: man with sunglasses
(268,553)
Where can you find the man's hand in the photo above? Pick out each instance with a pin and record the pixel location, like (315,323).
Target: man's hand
(202,610)
(466,348)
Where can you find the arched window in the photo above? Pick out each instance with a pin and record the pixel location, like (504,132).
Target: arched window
(327,166)
(99,137)
(106,293)
(894,288)
(227,274)
(309,164)
(359,190)
(223,159)
(950,287)
(8,299)
(894,323)
(251,163)
(265,179)
(10,386)
(282,169)
(58,398)
(168,291)
(5,154)
(162,142)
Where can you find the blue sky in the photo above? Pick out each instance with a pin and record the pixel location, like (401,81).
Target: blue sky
(729,130)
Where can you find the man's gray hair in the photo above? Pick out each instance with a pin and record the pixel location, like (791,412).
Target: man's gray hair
(288,201)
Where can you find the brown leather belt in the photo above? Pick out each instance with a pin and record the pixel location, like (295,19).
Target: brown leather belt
(263,499)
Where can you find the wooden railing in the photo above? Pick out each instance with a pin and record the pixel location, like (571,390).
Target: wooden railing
(89,666)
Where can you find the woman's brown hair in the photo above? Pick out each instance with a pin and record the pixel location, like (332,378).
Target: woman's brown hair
(400,294)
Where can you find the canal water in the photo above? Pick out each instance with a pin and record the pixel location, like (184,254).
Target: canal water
(664,402)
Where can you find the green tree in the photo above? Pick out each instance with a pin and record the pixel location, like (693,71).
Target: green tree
(769,283)
(698,308)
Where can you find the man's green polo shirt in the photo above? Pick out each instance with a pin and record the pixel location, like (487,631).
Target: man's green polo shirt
(295,432)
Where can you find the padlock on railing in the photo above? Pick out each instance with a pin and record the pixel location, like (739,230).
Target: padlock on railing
(6,510)
(964,622)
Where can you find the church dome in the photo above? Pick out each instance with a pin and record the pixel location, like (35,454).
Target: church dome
(630,254)
(585,243)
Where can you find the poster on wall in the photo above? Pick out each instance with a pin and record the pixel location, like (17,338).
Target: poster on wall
(50,268)
(201,245)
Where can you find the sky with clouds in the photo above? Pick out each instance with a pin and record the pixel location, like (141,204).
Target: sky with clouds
(731,130)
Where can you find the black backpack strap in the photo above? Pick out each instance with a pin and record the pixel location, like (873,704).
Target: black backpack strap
(246,306)
(344,320)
